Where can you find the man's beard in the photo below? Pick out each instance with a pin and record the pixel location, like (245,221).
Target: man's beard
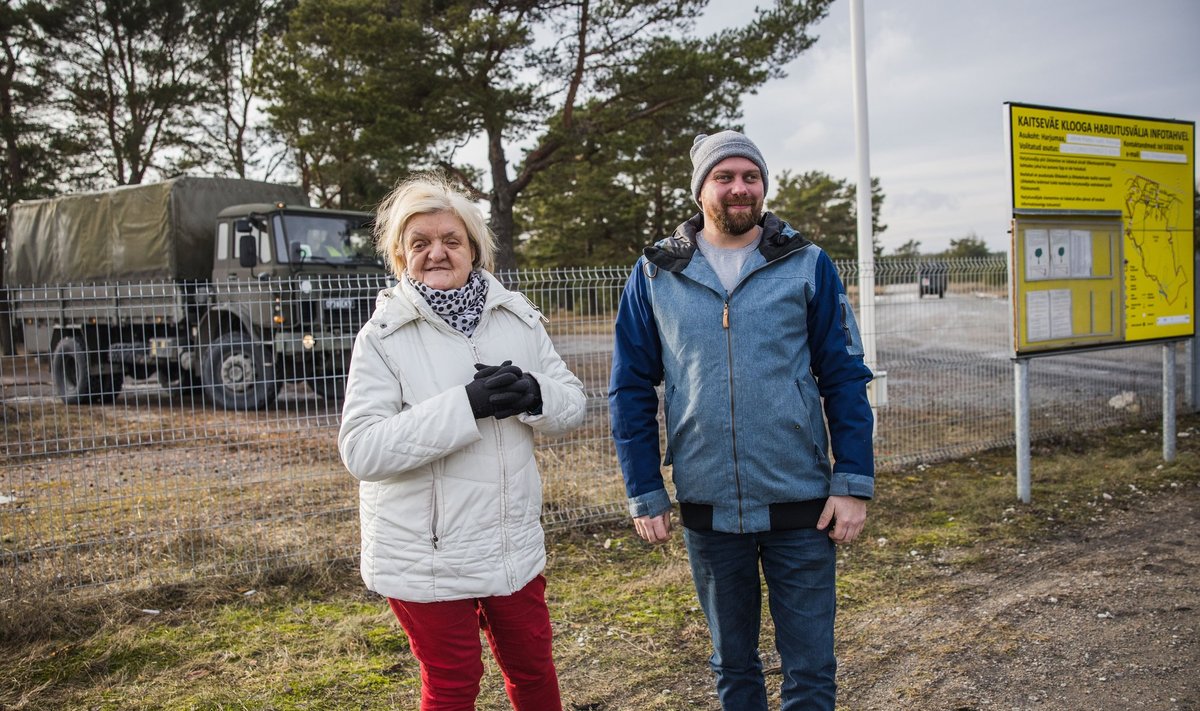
(740,223)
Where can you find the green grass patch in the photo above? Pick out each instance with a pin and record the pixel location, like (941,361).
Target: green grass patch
(628,631)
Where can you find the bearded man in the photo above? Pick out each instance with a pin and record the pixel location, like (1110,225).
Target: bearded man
(748,326)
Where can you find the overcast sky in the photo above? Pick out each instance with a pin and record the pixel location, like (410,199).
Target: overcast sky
(938,74)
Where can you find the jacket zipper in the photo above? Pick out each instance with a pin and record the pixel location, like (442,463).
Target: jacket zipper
(433,536)
(503,478)
(737,475)
(434,539)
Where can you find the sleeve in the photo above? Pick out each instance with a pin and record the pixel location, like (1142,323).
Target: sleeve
(564,403)
(381,436)
(632,399)
(836,348)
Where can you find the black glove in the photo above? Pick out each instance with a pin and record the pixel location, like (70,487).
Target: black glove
(483,372)
(489,379)
(523,395)
(478,394)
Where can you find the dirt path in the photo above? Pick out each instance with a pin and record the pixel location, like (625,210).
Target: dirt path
(1102,622)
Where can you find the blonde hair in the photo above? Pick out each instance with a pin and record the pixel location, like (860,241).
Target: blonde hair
(423,194)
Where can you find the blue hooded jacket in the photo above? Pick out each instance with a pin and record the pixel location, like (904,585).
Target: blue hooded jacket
(750,379)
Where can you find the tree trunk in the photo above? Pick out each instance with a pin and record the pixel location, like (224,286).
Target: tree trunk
(503,197)
(503,225)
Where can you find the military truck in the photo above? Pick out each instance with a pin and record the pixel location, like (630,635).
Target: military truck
(230,287)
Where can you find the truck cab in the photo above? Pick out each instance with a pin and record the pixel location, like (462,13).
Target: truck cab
(291,286)
(281,240)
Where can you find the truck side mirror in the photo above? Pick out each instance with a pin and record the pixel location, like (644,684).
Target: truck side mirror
(242,226)
(247,250)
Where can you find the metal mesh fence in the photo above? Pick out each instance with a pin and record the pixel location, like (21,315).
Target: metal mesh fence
(150,437)
(944,338)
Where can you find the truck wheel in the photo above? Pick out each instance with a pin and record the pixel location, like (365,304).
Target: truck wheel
(234,374)
(74,379)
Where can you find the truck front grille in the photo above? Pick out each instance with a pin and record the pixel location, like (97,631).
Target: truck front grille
(339,305)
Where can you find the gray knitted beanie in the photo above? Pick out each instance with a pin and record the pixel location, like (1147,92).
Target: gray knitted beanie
(707,151)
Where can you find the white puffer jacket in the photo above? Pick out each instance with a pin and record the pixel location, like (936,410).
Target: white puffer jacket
(449,506)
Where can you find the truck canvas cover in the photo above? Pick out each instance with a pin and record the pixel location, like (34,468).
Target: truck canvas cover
(159,231)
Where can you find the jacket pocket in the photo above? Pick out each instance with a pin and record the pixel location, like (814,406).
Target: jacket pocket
(668,453)
(434,503)
(854,344)
(810,438)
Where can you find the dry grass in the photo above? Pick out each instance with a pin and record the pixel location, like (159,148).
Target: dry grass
(628,633)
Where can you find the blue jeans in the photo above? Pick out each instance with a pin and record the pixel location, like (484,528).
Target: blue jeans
(799,569)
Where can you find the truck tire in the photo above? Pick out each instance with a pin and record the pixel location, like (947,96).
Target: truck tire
(234,374)
(76,382)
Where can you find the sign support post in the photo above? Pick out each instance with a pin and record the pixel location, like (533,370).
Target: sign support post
(1021,398)
(1168,402)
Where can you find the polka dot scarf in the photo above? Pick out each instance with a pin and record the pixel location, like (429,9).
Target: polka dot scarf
(461,307)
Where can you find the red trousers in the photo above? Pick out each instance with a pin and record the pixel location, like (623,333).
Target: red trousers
(444,637)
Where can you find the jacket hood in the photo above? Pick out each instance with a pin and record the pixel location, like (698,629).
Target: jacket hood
(401,304)
(674,253)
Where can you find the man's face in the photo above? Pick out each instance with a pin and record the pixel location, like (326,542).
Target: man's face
(732,196)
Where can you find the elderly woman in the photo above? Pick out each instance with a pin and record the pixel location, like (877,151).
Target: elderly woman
(448,382)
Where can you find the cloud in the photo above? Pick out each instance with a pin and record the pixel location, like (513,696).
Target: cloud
(938,75)
(923,201)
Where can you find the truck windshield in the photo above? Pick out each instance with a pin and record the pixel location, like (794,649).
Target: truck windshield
(328,239)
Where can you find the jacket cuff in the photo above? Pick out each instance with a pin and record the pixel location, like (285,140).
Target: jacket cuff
(858,485)
(652,503)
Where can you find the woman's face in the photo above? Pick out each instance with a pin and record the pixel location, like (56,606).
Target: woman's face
(437,250)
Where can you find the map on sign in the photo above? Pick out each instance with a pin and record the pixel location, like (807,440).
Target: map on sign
(1076,165)
(1156,269)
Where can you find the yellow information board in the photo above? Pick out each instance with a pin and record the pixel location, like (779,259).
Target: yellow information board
(1068,278)
(1098,186)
